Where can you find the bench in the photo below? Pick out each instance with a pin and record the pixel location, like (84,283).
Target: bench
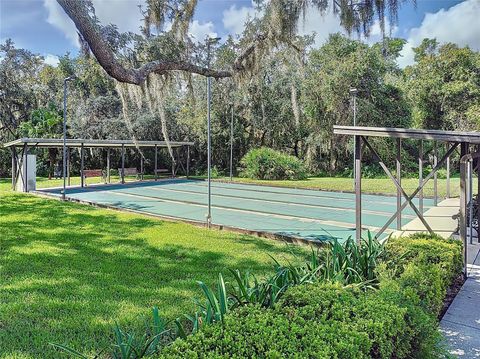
(131,171)
(94,173)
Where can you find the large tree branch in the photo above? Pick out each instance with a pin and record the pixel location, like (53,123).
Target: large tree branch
(77,11)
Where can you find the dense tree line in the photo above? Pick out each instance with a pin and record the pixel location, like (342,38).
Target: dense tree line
(290,103)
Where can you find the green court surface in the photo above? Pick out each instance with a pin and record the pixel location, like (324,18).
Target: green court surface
(309,214)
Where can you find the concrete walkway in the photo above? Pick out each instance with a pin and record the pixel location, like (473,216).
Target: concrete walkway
(439,218)
(461,323)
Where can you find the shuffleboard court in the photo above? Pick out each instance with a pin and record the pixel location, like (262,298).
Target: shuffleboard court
(308,214)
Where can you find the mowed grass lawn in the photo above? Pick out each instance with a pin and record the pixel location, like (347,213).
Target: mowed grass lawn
(369,185)
(68,272)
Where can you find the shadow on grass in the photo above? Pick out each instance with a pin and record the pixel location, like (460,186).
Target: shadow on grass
(68,271)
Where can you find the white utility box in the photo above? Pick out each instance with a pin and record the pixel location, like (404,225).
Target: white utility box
(28,171)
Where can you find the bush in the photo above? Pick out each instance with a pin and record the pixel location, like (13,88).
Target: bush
(325,320)
(268,164)
(252,332)
(429,250)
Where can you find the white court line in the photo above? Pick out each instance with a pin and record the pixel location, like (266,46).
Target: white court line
(265,214)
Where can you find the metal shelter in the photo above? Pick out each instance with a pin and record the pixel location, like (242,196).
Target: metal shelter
(21,146)
(452,140)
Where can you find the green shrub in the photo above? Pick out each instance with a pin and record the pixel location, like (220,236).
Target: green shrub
(252,332)
(378,318)
(446,254)
(421,329)
(329,320)
(266,163)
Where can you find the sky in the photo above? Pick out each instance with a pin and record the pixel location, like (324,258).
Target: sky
(42,27)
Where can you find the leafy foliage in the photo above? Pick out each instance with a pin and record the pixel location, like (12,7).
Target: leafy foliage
(266,163)
(324,319)
(126,345)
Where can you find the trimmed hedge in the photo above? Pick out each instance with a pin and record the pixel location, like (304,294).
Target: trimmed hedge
(267,164)
(325,320)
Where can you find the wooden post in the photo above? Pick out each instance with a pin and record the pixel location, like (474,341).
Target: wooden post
(358,188)
(108,165)
(448,172)
(435,177)
(420,176)
(122,175)
(399,179)
(141,167)
(156,162)
(82,166)
(188,161)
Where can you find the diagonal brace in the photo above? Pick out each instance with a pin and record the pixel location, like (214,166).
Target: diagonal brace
(399,187)
(419,188)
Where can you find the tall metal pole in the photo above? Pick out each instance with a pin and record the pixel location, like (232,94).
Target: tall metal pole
(399,180)
(210,41)
(435,177)
(353,92)
(358,188)
(420,176)
(209,154)
(231,146)
(470,200)
(65,135)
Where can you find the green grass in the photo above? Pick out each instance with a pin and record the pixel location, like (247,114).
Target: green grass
(369,185)
(68,271)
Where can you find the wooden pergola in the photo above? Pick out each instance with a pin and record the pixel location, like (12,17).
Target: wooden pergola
(452,140)
(21,146)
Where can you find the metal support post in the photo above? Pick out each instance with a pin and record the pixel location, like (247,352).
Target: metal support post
(82,166)
(156,163)
(231,146)
(25,175)
(358,188)
(399,180)
(448,174)
(108,165)
(123,164)
(188,161)
(435,177)
(14,168)
(68,166)
(420,176)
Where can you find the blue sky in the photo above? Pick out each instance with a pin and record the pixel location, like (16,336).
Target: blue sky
(42,27)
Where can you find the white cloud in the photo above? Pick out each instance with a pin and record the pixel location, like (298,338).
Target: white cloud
(200,31)
(322,24)
(51,60)
(60,20)
(123,13)
(459,25)
(234,18)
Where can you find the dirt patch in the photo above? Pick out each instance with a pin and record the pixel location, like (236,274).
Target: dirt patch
(452,292)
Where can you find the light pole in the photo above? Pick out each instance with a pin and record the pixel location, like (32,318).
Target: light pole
(231,146)
(65,135)
(353,92)
(210,41)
